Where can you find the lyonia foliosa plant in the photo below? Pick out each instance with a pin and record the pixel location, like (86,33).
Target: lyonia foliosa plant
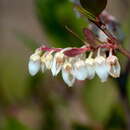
(92,58)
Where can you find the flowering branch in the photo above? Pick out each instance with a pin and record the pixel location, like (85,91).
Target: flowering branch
(72,61)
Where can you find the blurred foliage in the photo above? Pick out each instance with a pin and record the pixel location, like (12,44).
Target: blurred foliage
(14,124)
(54,15)
(28,41)
(104,95)
(80,127)
(13,81)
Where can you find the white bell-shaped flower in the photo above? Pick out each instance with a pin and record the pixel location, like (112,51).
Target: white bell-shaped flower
(34,64)
(67,75)
(80,70)
(47,59)
(90,66)
(101,67)
(113,65)
(58,61)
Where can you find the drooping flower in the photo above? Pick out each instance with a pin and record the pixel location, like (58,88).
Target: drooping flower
(34,63)
(80,69)
(58,61)
(67,75)
(101,67)
(47,59)
(90,66)
(113,65)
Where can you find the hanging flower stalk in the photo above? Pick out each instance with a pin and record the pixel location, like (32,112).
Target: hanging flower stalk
(73,63)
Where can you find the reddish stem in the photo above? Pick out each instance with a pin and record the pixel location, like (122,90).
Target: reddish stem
(113,39)
(77,51)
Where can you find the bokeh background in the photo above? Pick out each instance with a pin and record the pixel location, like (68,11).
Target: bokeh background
(44,102)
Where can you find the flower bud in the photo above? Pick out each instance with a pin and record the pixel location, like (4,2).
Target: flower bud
(90,66)
(101,67)
(80,70)
(34,64)
(67,75)
(113,66)
(47,59)
(58,61)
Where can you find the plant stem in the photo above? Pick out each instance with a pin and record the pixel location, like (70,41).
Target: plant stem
(102,26)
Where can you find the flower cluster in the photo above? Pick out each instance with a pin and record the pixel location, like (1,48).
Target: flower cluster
(73,64)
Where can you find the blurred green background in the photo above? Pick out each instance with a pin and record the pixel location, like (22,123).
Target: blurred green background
(44,102)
